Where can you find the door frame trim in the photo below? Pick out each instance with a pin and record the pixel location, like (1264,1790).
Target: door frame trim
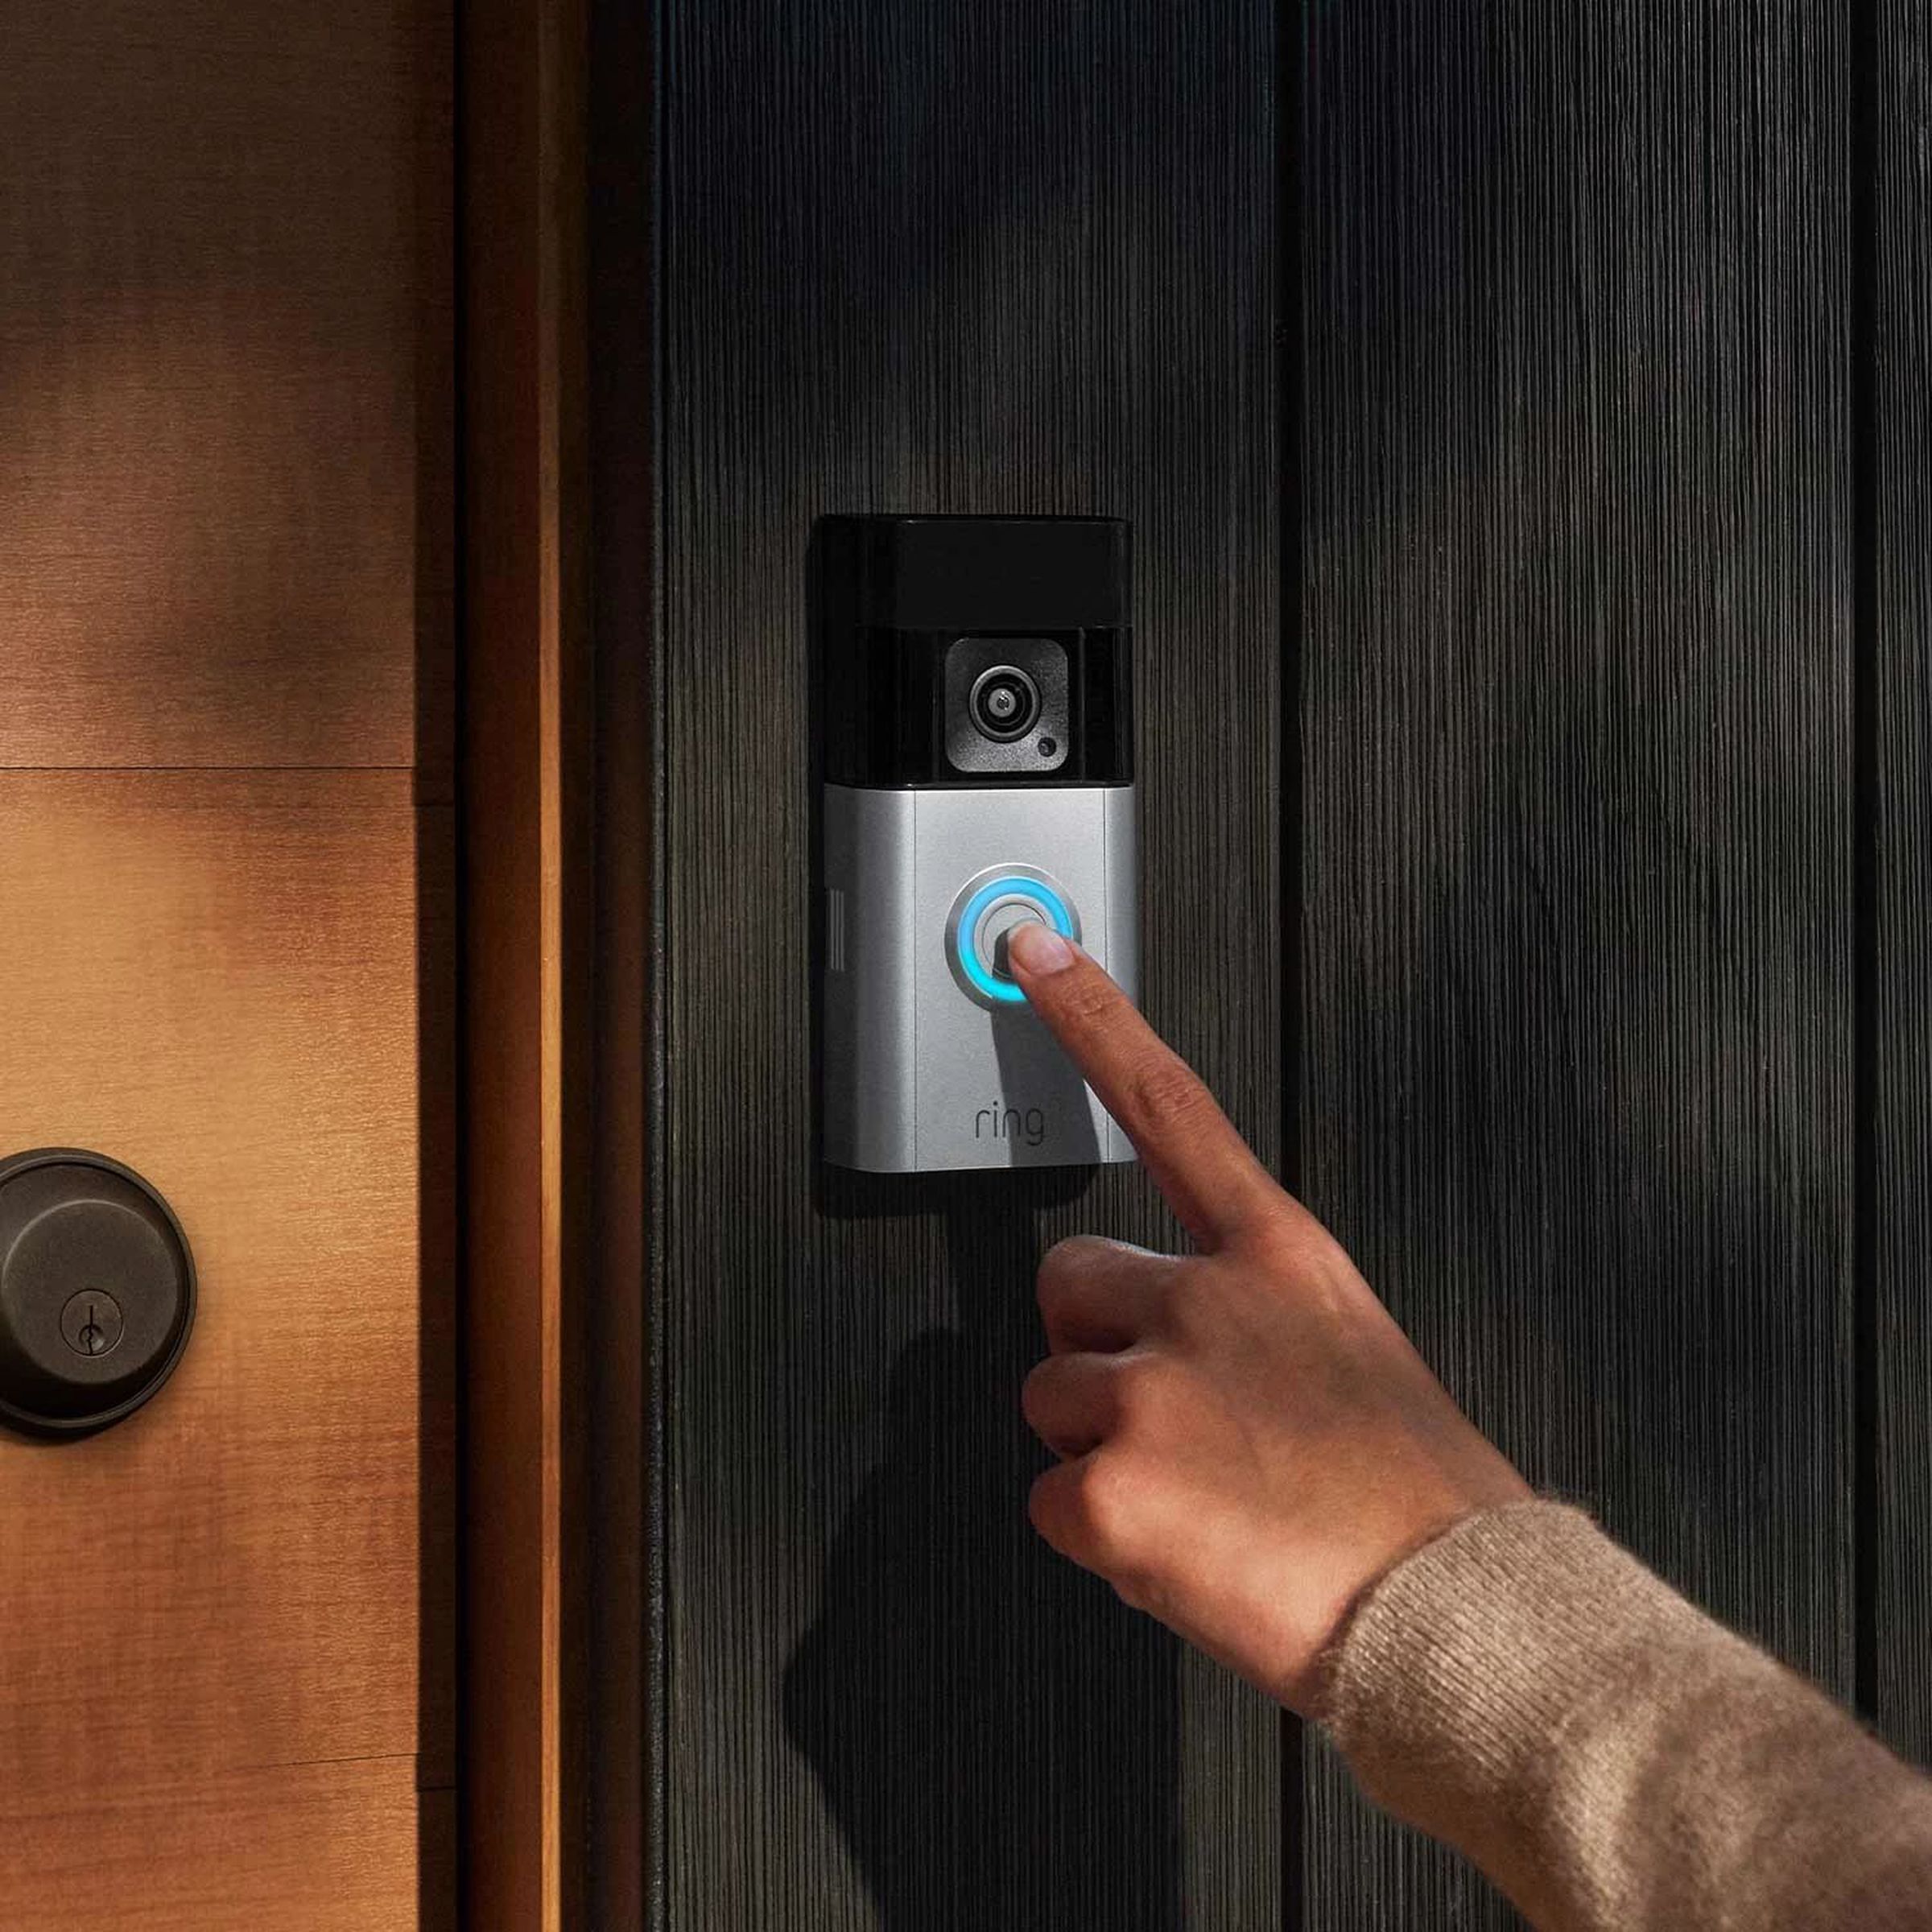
(555,770)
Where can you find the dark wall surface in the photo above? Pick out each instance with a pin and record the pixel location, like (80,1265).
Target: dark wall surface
(1895,754)
(989,257)
(1576,711)
(1535,864)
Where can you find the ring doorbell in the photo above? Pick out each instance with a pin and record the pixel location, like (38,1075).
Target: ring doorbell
(975,755)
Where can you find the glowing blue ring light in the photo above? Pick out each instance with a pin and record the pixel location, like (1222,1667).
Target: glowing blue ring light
(1023,885)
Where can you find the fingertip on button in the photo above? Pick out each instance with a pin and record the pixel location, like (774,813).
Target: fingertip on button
(990,905)
(1037,948)
(1002,961)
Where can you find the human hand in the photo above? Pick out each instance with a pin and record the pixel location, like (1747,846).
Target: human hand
(1247,1439)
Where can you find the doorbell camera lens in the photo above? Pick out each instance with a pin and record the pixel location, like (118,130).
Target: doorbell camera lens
(998,698)
(1004,703)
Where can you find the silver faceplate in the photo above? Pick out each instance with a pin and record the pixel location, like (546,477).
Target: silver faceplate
(917,1077)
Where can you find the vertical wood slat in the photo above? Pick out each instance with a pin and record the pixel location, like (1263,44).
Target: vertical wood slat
(1898,150)
(1000,258)
(1576,732)
(617,1746)
(527,784)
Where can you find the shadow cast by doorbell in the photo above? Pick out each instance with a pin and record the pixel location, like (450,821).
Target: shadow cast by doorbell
(975,753)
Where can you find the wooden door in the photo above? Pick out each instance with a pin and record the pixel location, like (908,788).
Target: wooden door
(1521,413)
(225,835)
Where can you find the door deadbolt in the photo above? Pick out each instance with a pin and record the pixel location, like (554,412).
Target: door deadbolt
(96,1291)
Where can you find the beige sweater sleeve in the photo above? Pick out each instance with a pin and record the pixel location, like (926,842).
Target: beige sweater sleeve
(1525,1690)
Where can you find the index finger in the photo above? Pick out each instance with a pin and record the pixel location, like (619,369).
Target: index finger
(1208,1172)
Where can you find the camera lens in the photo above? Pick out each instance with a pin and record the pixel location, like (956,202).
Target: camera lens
(1003,703)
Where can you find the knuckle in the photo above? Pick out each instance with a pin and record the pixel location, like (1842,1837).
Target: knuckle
(1167,1094)
(1046,1508)
(1147,1391)
(1290,1245)
(1064,1263)
(1036,1391)
(1090,998)
(1175,1292)
(1106,1507)
(1135,1585)
(1218,1316)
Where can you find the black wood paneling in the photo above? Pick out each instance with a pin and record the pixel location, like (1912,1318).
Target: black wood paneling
(1575,672)
(1899,746)
(977,255)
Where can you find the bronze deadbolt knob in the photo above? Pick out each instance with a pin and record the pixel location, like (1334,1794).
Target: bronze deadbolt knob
(96,1291)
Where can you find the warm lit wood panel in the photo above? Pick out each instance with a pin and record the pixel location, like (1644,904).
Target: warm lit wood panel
(225,329)
(439,1296)
(213,977)
(293,1847)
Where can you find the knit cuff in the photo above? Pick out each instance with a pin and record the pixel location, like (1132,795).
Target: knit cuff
(1527,1690)
(1464,1674)
(1476,1647)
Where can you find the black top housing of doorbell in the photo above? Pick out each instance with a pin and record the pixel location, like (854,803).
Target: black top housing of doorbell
(973,651)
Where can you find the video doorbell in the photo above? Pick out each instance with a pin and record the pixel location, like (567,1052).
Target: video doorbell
(975,750)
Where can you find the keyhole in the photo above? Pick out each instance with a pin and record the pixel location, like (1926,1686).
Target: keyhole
(92,1322)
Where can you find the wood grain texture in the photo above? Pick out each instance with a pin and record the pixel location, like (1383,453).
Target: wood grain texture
(1002,258)
(528,769)
(214,977)
(1900,154)
(438,1298)
(224,391)
(1575,678)
(328,1848)
(616,1727)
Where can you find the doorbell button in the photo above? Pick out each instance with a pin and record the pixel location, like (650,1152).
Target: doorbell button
(996,927)
(990,929)
(986,909)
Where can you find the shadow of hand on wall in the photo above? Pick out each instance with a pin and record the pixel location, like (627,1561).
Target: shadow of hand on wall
(994,1731)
